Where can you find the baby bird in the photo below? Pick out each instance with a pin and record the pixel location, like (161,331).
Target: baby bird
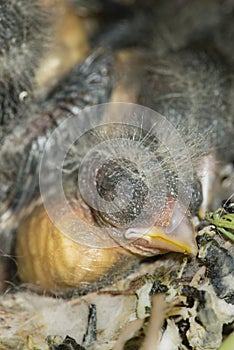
(23,36)
(149,176)
(23,27)
(140,182)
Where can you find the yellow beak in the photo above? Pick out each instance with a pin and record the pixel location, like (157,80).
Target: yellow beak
(177,236)
(179,240)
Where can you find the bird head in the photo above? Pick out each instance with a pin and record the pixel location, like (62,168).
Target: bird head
(134,174)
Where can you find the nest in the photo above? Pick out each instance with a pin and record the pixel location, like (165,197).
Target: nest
(173,302)
(169,302)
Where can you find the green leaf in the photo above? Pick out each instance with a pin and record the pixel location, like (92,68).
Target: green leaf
(223,221)
(228,344)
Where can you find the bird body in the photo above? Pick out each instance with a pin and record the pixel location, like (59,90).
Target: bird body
(58,263)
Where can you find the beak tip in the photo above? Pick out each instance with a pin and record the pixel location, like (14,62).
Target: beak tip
(179,239)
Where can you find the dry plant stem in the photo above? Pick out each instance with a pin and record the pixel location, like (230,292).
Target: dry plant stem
(153,331)
(155,324)
(127,333)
